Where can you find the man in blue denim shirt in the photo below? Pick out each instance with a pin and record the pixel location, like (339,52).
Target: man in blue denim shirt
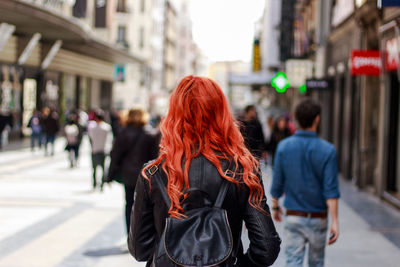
(305,171)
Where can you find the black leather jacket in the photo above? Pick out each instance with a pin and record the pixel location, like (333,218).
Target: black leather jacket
(150,211)
(133,147)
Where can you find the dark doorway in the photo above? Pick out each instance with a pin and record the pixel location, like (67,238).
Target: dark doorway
(340,149)
(393,133)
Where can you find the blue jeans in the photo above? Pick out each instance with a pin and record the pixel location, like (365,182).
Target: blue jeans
(34,137)
(300,231)
(50,138)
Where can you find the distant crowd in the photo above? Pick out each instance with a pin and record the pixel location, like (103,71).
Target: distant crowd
(262,139)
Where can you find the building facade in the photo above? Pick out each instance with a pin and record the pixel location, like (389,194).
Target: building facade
(50,56)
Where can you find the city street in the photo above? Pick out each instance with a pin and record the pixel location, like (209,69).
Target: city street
(49,216)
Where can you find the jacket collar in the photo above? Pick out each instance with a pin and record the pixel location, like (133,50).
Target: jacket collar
(306,133)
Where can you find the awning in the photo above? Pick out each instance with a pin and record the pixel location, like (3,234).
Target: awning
(75,34)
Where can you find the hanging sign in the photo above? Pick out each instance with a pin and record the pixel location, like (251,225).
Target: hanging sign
(392,54)
(318,84)
(366,62)
(383,3)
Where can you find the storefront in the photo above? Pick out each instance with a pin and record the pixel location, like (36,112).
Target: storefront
(342,103)
(11,97)
(389,154)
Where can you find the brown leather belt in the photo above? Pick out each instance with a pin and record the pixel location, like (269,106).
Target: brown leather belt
(323,214)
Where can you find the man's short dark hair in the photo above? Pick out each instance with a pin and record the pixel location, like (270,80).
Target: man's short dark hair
(248,108)
(99,114)
(306,112)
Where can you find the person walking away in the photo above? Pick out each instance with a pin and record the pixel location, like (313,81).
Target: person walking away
(202,152)
(51,126)
(98,132)
(71,131)
(279,132)
(306,173)
(35,123)
(115,121)
(252,132)
(132,148)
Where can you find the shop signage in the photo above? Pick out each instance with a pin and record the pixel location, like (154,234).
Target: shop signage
(366,62)
(318,84)
(392,54)
(256,56)
(383,3)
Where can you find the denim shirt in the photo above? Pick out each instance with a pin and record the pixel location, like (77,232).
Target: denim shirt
(305,170)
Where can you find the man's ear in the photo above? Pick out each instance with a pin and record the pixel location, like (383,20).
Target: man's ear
(317,120)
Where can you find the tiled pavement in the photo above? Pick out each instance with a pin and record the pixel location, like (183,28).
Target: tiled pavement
(50,217)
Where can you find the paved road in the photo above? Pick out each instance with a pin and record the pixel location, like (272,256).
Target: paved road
(50,217)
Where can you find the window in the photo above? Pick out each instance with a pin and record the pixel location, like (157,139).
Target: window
(79,9)
(141,38)
(121,36)
(121,6)
(142,6)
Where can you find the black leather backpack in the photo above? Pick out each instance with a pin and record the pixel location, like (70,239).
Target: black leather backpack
(202,238)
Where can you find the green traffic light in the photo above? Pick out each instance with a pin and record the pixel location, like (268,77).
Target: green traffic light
(280,82)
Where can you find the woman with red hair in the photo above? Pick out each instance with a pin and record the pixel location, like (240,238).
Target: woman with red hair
(200,137)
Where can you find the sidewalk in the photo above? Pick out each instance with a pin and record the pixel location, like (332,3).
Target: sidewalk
(17,144)
(369,231)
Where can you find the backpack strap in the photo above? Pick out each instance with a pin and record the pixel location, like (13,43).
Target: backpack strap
(223,189)
(158,175)
(221,194)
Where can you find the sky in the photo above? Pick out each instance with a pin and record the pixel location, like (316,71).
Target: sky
(224,29)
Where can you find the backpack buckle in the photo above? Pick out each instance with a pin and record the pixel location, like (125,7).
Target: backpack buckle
(230,173)
(153,169)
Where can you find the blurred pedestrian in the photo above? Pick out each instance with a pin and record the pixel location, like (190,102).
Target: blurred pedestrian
(252,132)
(200,138)
(6,123)
(83,120)
(306,173)
(115,121)
(279,132)
(132,148)
(51,126)
(267,130)
(290,124)
(98,132)
(35,123)
(72,134)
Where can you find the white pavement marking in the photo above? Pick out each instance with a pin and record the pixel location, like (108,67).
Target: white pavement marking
(52,247)
(17,218)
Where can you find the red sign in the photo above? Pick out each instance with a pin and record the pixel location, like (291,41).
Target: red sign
(366,62)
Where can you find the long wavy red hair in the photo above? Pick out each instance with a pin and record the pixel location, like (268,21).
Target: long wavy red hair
(199,122)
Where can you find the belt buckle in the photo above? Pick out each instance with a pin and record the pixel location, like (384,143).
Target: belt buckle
(309,214)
